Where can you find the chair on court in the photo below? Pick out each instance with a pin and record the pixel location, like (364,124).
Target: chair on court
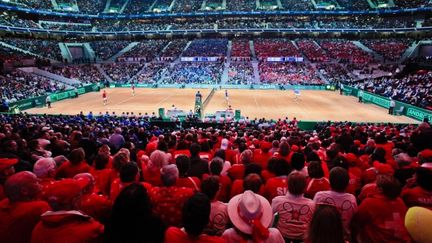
(400,111)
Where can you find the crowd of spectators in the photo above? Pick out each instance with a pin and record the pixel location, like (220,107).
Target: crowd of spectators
(265,48)
(134,182)
(294,5)
(293,73)
(146,50)
(193,73)
(241,5)
(354,5)
(240,73)
(411,3)
(122,72)
(345,51)
(240,50)
(412,89)
(391,50)
(19,85)
(187,6)
(334,72)
(207,48)
(116,25)
(137,7)
(107,49)
(313,51)
(83,73)
(161,6)
(91,7)
(11,19)
(151,75)
(173,50)
(44,48)
(66,26)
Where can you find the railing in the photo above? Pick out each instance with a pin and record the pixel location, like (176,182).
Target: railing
(209,31)
(251,13)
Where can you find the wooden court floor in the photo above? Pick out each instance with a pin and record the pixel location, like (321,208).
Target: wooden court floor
(271,104)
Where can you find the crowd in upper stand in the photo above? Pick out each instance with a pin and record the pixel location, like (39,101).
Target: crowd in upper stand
(82,73)
(138,7)
(122,179)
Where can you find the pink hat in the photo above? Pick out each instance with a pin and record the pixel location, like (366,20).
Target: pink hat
(250,212)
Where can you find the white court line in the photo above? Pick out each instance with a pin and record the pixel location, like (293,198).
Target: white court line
(162,101)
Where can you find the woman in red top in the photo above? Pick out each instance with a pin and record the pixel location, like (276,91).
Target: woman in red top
(75,165)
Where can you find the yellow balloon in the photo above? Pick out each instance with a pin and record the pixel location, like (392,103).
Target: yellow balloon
(418,222)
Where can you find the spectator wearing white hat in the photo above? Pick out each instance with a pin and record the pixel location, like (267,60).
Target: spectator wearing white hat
(251,215)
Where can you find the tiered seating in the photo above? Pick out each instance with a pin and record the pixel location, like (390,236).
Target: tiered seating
(187,5)
(173,50)
(193,73)
(45,48)
(412,89)
(151,74)
(297,5)
(288,73)
(66,26)
(20,85)
(346,51)
(207,48)
(354,5)
(240,50)
(91,7)
(213,5)
(137,7)
(241,5)
(11,19)
(313,51)
(161,5)
(333,72)
(410,3)
(390,49)
(107,49)
(146,50)
(240,73)
(122,72)
(83,73)
(275,48)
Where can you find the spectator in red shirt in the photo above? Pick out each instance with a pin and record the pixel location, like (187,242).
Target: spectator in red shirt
(381,218)
(94,205)
(196,211)
(278,186)
(168,200)
(75,165)
(101,173)
(128,174)
(262,155)
(6,169)
(20,211)
(317,182)
(238,185)
(65,223)
(183,165)
(132,219)
(420,195)
(326,225)
(216,166)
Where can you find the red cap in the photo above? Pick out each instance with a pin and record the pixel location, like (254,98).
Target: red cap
(62,192)
(295,148)
(6,163)
(352,159)
(427,153)
(383,169)
(357,142)
(265,145)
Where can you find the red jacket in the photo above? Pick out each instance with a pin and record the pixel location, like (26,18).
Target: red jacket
(380,219)
(17,220)
(177,235)
(67,170)
(276,186)
(417,196)
(67,226)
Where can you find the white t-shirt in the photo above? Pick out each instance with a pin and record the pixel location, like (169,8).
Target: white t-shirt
(231,236)
(346,204)
(295,213)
